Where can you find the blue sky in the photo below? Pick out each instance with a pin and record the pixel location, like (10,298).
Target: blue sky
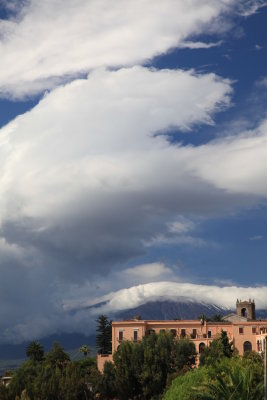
(133,148)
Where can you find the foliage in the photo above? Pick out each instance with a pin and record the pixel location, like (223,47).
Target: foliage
(141,370)
(182,388)
(35,351)
(106,384)
(237,381)
(3,392)
(104,335)
(57,357)
(217,349)
(235,378)
(227,346)
(85,350)
(53,377)
(217,318)
(24,378)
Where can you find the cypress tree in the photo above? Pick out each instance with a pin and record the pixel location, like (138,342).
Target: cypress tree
(104,335)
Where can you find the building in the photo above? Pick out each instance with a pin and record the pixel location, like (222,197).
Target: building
(5,380)
(243,329)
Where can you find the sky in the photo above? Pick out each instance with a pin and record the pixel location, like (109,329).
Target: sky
(133,155)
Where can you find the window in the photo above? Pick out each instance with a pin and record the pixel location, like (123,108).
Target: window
(244,312)
(173,332)
(247,347)
(194,334)
(209,334)
(183,332)
(241,330)
(201,348)
(135,335)
(120,336)
(254,330)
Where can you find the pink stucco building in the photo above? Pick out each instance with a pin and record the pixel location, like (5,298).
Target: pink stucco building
(246,332)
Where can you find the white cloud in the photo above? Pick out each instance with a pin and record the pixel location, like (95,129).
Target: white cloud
(221,296)
(52,41)
(249,7)
(98,138)
(147,271)
(258,47)
(181,225)
(262,82)
(106,176)
(200,45)
(162,240)
(256,237)
(88,176)
(177,233)
(85,181)
(236,164)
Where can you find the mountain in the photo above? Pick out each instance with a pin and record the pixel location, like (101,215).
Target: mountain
(165,309)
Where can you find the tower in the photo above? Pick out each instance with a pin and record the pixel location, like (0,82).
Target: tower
(246,309)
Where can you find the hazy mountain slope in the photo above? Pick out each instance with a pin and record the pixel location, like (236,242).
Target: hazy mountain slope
(172,310)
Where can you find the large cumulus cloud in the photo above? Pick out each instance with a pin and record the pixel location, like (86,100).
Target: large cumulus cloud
(85,176)
(89,177)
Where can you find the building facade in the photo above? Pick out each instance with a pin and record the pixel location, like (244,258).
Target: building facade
(246,333)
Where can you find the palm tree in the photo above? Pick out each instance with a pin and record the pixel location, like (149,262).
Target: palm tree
(239,384)
(217,318)
(85,350)
(35,351)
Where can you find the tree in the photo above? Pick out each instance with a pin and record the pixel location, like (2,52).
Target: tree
(3,392)
(235,383)
(85,350)
(23,378)
(184,386)
(57,357)
(104,335)
(235,378)
(141,370)
(72,384)
(217,349)
(185,354)
(107,382)
(35,351)
(127,361)
(55,378)
(227,346)
(217,318)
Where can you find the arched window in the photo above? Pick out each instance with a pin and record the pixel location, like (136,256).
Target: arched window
(173,332)
(247,346)
(244,312)
(201,347)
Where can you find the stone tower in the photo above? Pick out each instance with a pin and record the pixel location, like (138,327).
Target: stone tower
(246,309)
